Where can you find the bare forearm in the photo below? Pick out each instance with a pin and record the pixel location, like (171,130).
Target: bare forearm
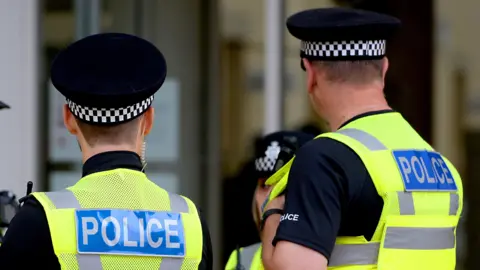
(285,255)
(268,250)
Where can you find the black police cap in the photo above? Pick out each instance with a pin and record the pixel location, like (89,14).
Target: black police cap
(4,106)
(109,78)
(342,34)
(275,146)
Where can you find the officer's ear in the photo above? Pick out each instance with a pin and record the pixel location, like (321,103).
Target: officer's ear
(311,78)
(69,120)
(149,117)
(385,67)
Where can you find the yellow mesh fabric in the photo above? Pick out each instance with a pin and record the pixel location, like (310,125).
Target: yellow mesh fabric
(46,203)
(68,261)
(120,189)
(112,262)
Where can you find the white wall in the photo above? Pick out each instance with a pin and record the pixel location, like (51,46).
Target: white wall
(19,85)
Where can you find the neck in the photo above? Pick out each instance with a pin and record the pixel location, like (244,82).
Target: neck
(88,152)
(350,101)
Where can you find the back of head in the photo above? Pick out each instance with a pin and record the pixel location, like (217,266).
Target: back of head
(121,134)
(109,81)
(343,53)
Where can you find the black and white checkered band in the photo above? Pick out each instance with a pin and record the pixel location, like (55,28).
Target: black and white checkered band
(267,162)
(109,116)
(344,49)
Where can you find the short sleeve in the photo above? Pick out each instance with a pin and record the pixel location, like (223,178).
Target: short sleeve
(314,199)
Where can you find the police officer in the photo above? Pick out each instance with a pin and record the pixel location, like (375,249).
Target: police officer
(273,151)
(114,217)
(370,194)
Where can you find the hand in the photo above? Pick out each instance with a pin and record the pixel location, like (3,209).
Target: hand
(277,203)
(261,195)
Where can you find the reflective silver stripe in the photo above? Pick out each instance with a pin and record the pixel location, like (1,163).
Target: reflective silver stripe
(372,143)
(407,207)
(419,238)
(454,204)
(358,254)
(66,199)
(178,203)
(63,199)
(405,200)
(171,263)
(89,262)
(395,238)
(247,254)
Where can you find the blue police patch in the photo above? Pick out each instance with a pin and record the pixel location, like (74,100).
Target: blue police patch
(424,171)
(124,232)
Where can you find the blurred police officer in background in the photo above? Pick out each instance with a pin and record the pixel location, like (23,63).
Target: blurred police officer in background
(272,152)
(239,230)
(114,217)
(371,194)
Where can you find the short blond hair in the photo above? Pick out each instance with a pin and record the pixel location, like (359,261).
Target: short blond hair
(124,133)
(356,72)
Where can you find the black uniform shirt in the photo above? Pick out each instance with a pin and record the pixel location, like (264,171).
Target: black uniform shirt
(27,243)
(332,194)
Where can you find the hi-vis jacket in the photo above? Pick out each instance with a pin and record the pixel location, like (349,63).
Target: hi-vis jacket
(422,193)
(250,258)
(119,219)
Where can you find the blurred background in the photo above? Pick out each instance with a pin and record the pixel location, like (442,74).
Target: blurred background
(233,74)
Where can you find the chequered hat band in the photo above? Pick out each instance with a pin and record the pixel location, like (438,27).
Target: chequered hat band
(109,116)
(265,164)
(358,49)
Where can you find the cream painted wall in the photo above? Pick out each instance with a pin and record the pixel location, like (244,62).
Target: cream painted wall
(245,20)
(456,47)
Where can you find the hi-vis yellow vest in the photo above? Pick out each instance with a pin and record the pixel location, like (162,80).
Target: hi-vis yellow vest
(250,258)
(422,193)
(119,219)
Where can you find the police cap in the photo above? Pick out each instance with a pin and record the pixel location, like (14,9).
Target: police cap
(276,149)
(110,78)
(4,106)
(342,34)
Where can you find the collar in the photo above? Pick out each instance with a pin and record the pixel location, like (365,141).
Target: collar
(112,160)
(365,115)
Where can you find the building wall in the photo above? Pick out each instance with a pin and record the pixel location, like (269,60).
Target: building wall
(19,82)
(244,21)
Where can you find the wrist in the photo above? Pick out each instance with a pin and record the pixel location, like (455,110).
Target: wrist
(268,213)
